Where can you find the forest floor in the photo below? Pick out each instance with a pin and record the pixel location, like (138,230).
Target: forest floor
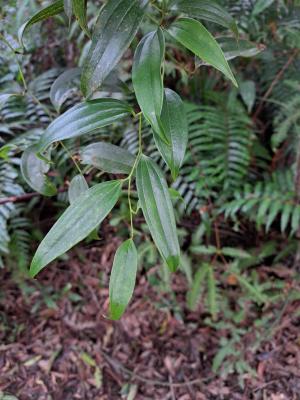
(56,344)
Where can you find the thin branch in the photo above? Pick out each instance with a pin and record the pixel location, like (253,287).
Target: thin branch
(118,366)
(275,81)
(25,197)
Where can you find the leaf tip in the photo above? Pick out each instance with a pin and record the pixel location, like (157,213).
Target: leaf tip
(173,263)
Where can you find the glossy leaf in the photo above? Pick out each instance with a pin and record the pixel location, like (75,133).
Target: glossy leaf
(122,279)
(207,10)
(79,9)
(158,210)
(195,37)
(76,223)
(53,9)
(63,86)
(174,122)
(108,158)
(115,29)
(78,185)
(147,78)
(34,172)
(84,118)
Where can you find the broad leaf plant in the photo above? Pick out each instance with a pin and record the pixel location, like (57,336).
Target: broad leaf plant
(115,29)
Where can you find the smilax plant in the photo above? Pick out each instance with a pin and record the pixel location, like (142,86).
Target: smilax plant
(114,30)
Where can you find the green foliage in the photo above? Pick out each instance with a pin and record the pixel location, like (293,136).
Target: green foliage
(230,151)
(266,201)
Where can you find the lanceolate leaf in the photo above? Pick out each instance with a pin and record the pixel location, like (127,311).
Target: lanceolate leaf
(122,279)
(147,77)
(33,170)
(63,86)
(195,37)
(53,9)
(207,10)
(83,118)
(76,223)
(79,8)
(108,157)
(158,210)
(115,29)
(78,185)
(174,122)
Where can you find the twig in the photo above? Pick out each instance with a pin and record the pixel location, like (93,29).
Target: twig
(25,197)
(275,81)
(173,397)
(118,366)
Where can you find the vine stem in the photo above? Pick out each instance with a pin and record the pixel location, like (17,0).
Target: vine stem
(72,158)
(129,178)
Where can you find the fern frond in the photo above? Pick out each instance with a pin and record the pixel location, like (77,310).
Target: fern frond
(267,201)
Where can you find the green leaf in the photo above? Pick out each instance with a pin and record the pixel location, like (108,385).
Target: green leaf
(147,78)
(296,219)
(68,9)
(260,6)
(108,158)
(206,250)
(235,253)
(174,122)
(212,292)
(33,170)
(78,185)
(273,213)
(285,216)
(255,292)
(63,86)
(79,8)
(122,279)
(53,9)
(76,223)
(207,10)
(115,29)
(195,37)
(241,48)
(4,97)
(195,292)
(84,118)
(158,210)
(248,93)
